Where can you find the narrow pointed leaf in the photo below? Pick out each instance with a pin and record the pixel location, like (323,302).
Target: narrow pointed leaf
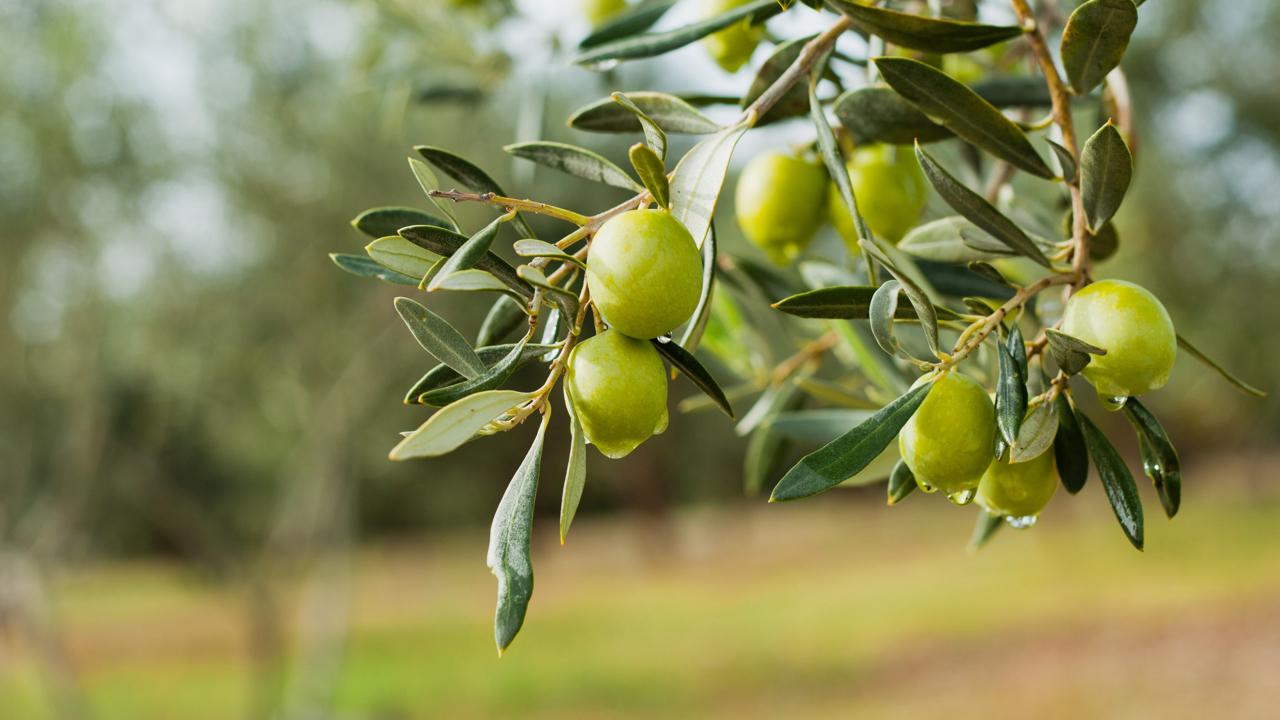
(845,456)
(469,253)
(442,375)
(919,32)
(384,221)
(878,114)
(1095,39)
(649,167)
(984,530)
(902,482)
(1036,434)
(667,112)
(509,544)
(883,305)
(650,44)
(439,338)
(1121,490)
(1246,387)
(490,379)
(686,363)
(528,247)
(1071,353)
(575,472)
(452,426)
(472,177)
(1106,167)
(1159,458)
(849,302)
(1011,387)
(1065,159)
(654,135)
(962,111)
(920,302)
(427,181)
(396,253)
(362,266)
(564,299)
(1069,451)
(574,160)
(445,243)
(633,20)
(977,210)
(702,313)
(504,316)
(952,240)
(698,177)
(837,169)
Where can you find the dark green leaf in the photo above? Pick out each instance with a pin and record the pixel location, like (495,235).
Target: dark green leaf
(875,114)
(635,19)
(1191,349)
(509,541)
(795,101)
(490,379)
(986,528)
(698,177)
(457,423)
(1159,458)
(504,316)
(963,111)
(439,338)
(851,302)
(649,167)
(575,161)
(1011,386)
(363,266)
(843,457)
(1069,450)
(653,133)
(980,212)
(955,281)
(1065,159)
(685,362)
(650,44)
(1014,91)
(575,471)
(1105,170)
(442,375)
(1095,39)
(471,177)
(989,271)
(669,112)
(469,253)
(952,240)
(1121,491)
(566,300)
(918,32)
(702,313)
(1071,354)
(384,221)
(446,243)
(902,482)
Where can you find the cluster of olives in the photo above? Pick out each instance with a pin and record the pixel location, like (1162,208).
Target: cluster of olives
(644,275)
(949,443)
(782,199)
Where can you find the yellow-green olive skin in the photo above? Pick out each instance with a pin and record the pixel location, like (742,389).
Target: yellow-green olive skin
(950,440)
(891,191)
(598,12)
(1019,489)
(732,47)
(1133,327)
(644,273)
(618,387)
(779,203)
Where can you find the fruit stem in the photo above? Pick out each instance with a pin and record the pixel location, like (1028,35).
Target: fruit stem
(976,333)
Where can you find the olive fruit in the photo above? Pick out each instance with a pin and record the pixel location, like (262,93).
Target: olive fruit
(891,191)
(779,203)
(950,440)
(644,273)
(1133,327)
(618,387)
(1018,490)
(731,48)
(599,11)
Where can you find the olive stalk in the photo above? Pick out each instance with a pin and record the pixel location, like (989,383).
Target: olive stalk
(976,333)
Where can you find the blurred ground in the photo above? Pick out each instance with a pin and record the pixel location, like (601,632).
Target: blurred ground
(829,608)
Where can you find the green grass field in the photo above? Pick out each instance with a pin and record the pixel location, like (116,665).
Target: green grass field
(828,608)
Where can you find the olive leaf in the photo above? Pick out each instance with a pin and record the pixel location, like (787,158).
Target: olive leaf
(1069,451)
(445,243)
(1011,386)
(490,379)
(845,456)
(832,158)
(509,543)
(1106,167)
(1072,354)
(654,135)
(649,167)
(1241,384)
(566,300)
(1065,159)
(529,247)
(902,482)
(469,253)
(926,313)
(952,239)
(848,302)
(698,177)
(396,253)
(442,375)
(470,280)
(766,445)
(1095,39)
(504,316)
(977,210)
(472,177)
(362,266)
(575,471)
(984,530)
(668,112)
(962,111)
(1159,458)
(697,324)
(686,363)
(427,181)
(384,221)
(440,339)
(650,44)
(795,101)
(878,114)
(1118,484)
(883,305)
(456,423)
(918,32)
(1036,434)
(635,19)
(817,426)
(574,160)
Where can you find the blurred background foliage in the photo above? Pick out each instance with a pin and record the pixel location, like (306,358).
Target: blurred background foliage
(184,371)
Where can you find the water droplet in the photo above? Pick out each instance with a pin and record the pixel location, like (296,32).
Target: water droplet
(1113,402)
(963,497)
(926,486)
(1023,522)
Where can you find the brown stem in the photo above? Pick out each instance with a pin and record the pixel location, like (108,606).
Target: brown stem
(979,331)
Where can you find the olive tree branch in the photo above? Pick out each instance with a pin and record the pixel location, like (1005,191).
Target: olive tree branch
(976,333)
(512,204)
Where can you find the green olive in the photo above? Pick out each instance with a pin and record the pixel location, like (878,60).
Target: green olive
(599,11)
(891,191)
(644,273)
(950,440)
(1019,489)
(618,387)
(731,48)
(779,203)
(1133,327)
